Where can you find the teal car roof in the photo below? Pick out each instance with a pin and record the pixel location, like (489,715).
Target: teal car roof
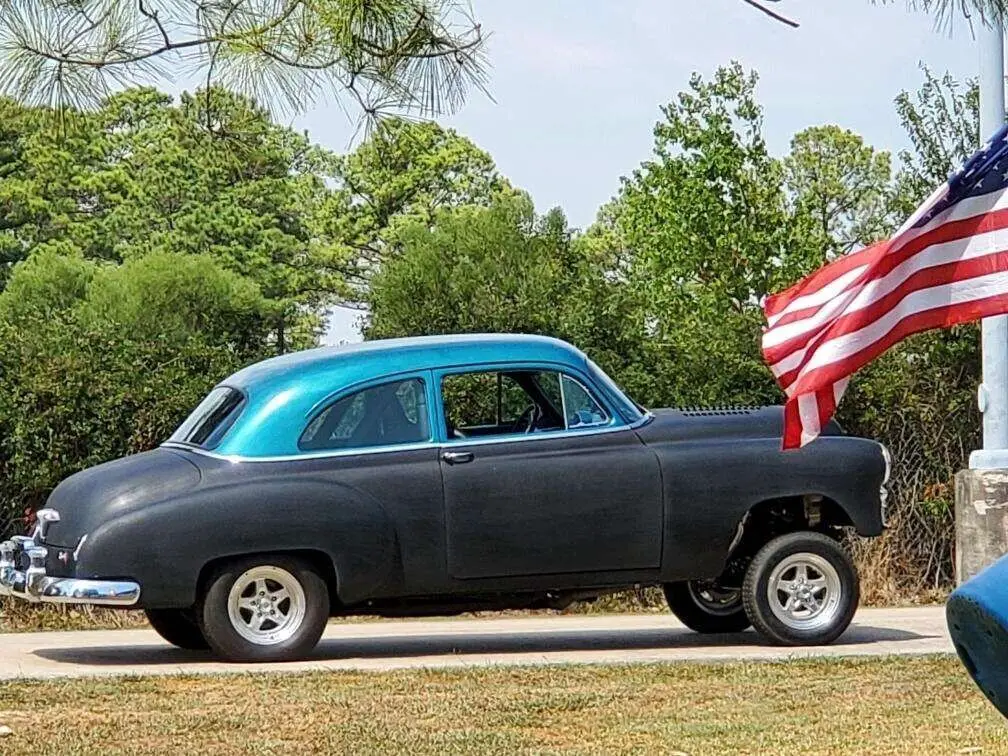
(355,363)
(282,392)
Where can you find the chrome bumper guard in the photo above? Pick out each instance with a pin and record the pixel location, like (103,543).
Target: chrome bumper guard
(34,585)
(884,490)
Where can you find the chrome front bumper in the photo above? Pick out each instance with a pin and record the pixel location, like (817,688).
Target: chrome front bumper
(34,585)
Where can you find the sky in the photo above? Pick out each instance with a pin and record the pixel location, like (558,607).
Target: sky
(577,85)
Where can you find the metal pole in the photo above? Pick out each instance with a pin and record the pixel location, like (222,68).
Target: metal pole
(993,392)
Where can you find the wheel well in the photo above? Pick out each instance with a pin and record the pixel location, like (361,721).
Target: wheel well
(317,559)
(775,517)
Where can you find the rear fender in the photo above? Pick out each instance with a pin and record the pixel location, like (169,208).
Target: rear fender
(165,546)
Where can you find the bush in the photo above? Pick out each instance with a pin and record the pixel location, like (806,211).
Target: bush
(101,361)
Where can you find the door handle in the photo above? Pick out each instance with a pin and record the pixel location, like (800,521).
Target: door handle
(457,458)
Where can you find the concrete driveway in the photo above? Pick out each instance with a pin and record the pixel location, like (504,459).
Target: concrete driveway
(402,644)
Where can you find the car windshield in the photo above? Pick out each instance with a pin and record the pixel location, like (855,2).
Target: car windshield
(208,423)
(629,407)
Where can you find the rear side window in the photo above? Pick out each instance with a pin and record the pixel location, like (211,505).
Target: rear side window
(208,423)
(386,415)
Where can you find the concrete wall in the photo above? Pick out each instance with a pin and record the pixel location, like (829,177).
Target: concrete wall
(981,517)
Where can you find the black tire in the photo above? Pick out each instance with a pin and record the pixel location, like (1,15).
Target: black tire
(841,595)
(179,627)
(299,630)
(687,603)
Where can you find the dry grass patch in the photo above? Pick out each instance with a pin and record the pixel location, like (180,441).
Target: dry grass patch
(870,706)
(17,616)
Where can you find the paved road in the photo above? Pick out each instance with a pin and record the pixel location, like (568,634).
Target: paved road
(471,642)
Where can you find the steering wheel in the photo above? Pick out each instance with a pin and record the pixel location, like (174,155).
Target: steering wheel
(527,420)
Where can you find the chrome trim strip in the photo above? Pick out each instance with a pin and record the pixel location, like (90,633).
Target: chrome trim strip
(237,459)
(887,458)
(531,437)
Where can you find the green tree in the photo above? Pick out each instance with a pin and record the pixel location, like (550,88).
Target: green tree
(942,119)
(413,55)
(143,174)
(710,232)
(473,269)
(841,186)
(502,268)
(405,172)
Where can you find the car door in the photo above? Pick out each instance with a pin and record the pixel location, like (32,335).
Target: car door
(577,492)
(376,440)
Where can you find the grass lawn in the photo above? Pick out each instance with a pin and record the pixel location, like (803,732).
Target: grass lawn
(870,706)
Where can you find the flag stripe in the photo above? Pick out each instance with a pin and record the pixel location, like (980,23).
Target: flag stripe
(808,411)
(792,425)
(846,344)
(905,253)
(814,300)
(825,406)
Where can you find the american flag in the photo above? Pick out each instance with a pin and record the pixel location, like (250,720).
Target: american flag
(947,264)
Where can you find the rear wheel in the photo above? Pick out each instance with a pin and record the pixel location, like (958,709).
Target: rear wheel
(801,589)
(705,607)
(268,608)
(178,626)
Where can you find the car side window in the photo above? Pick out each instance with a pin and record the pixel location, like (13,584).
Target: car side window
(580,408)
(384,415)
(509,402)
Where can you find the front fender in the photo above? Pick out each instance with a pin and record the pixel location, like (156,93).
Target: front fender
(165,546)
(847,470)
(711,485)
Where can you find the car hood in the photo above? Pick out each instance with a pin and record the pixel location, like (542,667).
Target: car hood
(87,499)
(696,423)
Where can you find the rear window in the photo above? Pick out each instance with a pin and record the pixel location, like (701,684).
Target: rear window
(385,415)
(208,423)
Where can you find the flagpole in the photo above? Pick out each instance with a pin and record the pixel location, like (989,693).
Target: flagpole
(981,492)
(993,391)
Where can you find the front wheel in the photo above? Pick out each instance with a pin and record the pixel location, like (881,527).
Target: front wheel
(268,608)
(704,607)
(801,589)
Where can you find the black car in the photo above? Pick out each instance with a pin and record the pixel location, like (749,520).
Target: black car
(450,474)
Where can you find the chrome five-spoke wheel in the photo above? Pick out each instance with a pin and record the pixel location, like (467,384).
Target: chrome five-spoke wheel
(801,589)
(804,591)
(265,608)
(266,605)
(714,599)
(707,607)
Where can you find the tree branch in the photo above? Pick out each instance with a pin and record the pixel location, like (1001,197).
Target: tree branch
(397,54)
(773,14)
(153,16)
